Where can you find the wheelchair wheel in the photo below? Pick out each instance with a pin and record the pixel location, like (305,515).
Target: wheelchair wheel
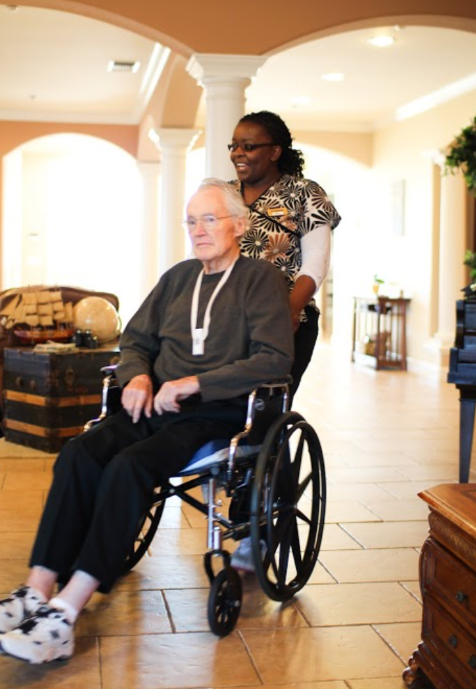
(224,601)
(147,527)
(288,506)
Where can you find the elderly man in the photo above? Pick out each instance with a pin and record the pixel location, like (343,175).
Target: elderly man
(209,332)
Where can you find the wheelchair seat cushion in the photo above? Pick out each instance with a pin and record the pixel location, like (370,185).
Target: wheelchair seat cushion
(214,452)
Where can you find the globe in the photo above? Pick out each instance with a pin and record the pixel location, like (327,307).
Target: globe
(98,315)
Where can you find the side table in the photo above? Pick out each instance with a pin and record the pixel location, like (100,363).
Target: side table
(379,332)
(446,656)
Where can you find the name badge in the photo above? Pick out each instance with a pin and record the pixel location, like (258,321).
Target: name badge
(277,212)
(198,347)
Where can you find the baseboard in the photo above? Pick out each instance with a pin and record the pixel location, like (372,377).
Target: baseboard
(426,368)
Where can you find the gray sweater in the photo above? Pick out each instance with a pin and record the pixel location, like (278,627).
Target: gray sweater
(250,341)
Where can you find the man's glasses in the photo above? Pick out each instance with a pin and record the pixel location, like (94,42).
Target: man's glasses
(209,222)
(247,148)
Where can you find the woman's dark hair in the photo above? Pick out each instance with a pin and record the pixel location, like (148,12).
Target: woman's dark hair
(291,160)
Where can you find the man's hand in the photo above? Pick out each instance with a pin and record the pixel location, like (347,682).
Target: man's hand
(137,397)
(167,399)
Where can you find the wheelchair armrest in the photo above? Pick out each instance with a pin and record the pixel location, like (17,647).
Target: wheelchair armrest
(281,385)
(109,370)
(255,404)
(107,384)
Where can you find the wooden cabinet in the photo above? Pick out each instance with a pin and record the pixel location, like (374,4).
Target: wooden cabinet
(379,332)
(446,656)
(48,397)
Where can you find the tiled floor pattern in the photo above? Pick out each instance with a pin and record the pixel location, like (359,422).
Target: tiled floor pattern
(386,436)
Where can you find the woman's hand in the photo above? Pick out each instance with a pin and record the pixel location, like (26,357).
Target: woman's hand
(304,289)
(295,319)
(169,395)
(137,397)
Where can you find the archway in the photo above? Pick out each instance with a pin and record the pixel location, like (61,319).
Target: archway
(68,221)
(207,26)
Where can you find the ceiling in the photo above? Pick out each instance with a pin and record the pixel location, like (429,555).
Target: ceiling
(378,81)
(53,66)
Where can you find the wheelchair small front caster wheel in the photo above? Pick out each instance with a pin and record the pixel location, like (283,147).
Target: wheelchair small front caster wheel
(224,602)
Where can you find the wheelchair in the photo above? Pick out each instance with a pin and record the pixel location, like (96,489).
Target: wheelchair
(274,475)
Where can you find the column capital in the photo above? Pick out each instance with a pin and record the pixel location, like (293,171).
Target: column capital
(437,156)
(174,138)
(204,67)
(224,79)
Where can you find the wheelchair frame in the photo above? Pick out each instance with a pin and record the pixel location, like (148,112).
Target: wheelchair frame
(271,501)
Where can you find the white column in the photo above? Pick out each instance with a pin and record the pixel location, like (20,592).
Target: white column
(174,145)
(452,276)
(150,227)
(224,78)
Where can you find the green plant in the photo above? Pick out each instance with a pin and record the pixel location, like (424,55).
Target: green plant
(470,261)
(461,155)
(377,280)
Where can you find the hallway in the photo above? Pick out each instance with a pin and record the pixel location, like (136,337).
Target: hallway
(386,436)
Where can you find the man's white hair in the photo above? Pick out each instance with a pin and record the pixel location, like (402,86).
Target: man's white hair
(232,198)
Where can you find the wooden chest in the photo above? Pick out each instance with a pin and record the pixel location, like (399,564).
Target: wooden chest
(446,656)
(48,397)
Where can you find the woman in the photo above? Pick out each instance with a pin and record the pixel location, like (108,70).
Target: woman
(290,220)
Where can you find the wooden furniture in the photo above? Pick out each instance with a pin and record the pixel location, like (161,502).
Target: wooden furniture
(446,656)
(379,332)
(48,397)
(69,294)
(463,374)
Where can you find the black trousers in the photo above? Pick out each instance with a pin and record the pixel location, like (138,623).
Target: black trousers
(104,481)
(304,342)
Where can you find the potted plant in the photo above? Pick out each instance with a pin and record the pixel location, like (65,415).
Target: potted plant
(470,261)
(377,282)
(461,155)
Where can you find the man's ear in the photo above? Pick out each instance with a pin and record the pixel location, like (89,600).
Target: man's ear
(241,225)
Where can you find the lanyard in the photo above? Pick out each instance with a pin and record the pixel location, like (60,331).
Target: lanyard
(199,335)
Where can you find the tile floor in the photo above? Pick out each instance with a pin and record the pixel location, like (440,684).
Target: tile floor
(386,436)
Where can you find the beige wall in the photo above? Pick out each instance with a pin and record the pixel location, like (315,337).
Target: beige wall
(355,145)
(405,151)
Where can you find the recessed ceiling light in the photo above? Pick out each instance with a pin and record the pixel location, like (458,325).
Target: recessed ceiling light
(299,101)
(123,66)
(381,41)
(333,76)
